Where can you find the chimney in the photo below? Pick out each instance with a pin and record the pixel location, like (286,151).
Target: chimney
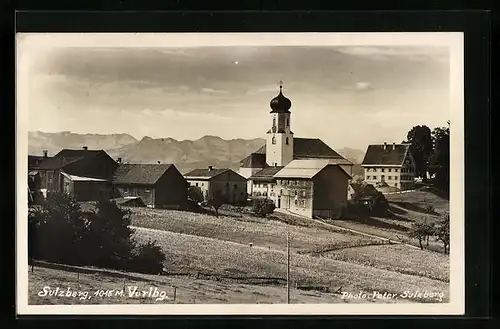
(385,145)
(119,160)
(210,168)
(45,153)
(393,146)
(85,148)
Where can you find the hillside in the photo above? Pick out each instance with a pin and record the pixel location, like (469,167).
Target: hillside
(54,142)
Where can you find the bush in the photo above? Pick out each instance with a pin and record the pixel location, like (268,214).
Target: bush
(148,258)
(61,232)
(263,207)
(421,230)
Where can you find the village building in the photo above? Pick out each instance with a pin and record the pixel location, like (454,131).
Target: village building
(223,183)
(282,148)
(264,183)
(156,185)
(389,166)
(84,174)
(312,188)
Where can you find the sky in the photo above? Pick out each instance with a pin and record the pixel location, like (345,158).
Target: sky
(348,95)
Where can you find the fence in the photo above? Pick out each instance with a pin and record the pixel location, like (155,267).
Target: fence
(80,272)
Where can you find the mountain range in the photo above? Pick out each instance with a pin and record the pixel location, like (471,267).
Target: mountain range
(185,154)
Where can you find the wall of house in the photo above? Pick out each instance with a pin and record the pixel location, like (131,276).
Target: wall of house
(231,186)
(50,180)
(171,190)
(401,177)
(330,191)
(247,172)
(146,193)
(202,185)
(295,195)
(90,190)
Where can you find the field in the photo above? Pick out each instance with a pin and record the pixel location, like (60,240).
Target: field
(242,259)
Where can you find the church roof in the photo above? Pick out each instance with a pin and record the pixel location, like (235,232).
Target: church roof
(309,148)
(386,154)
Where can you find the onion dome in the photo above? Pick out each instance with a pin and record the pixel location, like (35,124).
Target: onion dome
(280,104)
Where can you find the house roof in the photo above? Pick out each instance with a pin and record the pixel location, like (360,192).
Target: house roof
(309,148)
(306,168)
(254,160)
(205,173)
(266,174)
(364,189)
(143,174)
(67,156)
(75,178)
(394,154)
(35,160)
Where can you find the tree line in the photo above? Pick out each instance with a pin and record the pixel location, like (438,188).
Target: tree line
(431,153)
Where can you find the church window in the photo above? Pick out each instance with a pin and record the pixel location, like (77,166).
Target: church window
(287,122)
(274,140)
(274,122)
(287,141)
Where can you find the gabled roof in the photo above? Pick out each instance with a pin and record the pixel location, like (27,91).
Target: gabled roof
(66,156)
(266,174)
(254,160)
(309,148)
(75,178)
(205,173)
(35,160)
(139,174)
(393,154)
(306,168)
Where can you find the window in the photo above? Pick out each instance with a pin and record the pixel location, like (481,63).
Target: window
(274,140)
(287,123)
(274,121)
(382,170)
(303,193)
(395,177)
(295,202)
(296,193)
(286,141)
(389,177)
(146,190)
(390,169)
(396,184)
(196,184)
(396,170)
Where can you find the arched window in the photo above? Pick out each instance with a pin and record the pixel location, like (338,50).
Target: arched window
(286,141)
(287,122)
(274,140)
(274,122)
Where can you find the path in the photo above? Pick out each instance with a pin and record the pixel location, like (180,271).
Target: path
(283,211)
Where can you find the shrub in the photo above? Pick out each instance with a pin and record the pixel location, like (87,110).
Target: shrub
(195,194)
(148,258)
(421,230)
(263,207)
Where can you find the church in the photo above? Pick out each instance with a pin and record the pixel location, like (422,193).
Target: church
(301,175)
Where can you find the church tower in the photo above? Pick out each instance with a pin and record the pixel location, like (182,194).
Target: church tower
(279,141)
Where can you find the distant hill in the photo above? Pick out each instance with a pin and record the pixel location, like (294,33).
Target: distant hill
(185,154)
(54,142)
(354,155)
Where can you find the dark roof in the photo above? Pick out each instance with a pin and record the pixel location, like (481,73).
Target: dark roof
(67,156)
(367,190)
(254,160)
(35,160)
(206,173)
(266,174)
(144,174)
(309,148)
(280,104)
(376,155)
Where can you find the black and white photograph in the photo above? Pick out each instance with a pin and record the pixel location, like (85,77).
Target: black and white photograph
(240,173)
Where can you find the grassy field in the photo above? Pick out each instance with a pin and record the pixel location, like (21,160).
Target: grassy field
(210,260)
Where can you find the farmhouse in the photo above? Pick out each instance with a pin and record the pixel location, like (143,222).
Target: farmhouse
(389,165)
(35,160)
(312,188)
(84,174)
(223,183)
(157,185)
(282,148)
